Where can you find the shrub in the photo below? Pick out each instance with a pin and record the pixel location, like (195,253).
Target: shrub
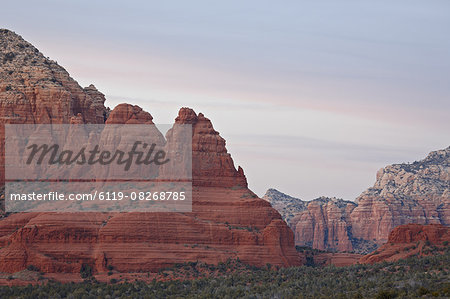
(32,268)
(422,291)
(85,271)
(386,294)
(9,57)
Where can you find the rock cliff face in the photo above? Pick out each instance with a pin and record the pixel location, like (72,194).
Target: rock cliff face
(411,239)
(322,223)
(212,165)
(402,194)
(325,224)
(227,219)
(34,89)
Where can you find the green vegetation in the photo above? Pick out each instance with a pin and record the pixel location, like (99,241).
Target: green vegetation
(410,278)
(249,195)
(85,271)
(237,187)
(32,268)
(309,254)
(9,57)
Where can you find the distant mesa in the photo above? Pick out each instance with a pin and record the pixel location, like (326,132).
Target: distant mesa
(321,223)
(403,193)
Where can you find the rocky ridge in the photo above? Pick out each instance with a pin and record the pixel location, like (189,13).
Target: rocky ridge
(35,89)
(288,206)
(403,193)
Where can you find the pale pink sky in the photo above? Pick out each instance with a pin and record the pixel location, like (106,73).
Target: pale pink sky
(313,97)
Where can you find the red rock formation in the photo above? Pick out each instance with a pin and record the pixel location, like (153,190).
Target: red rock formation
(129,114)
(222,225)
(227,219)
(225,223)
(411,239)
(324,225)
(410,233)
(212,165)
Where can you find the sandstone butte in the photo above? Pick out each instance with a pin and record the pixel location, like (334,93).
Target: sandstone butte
(227,219)
(416,192)
(411,239)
